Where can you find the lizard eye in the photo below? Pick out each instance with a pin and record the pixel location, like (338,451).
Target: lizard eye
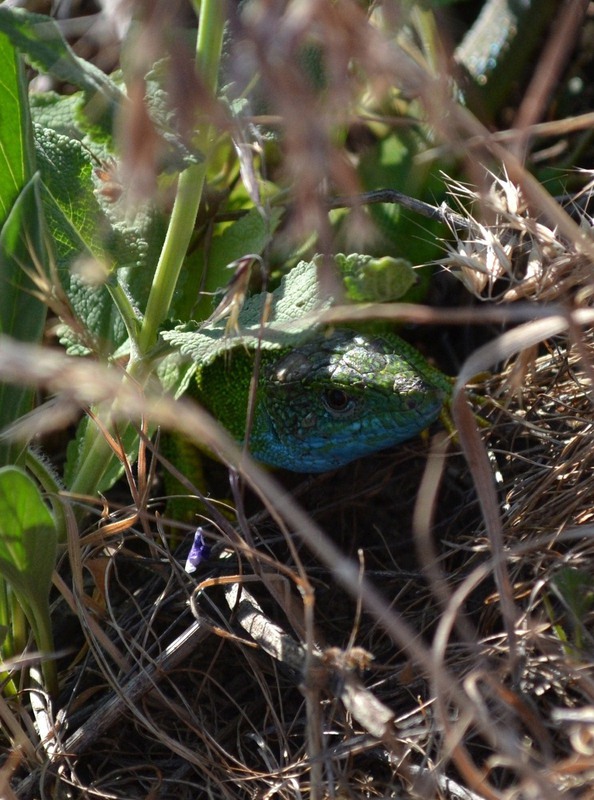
(337,400)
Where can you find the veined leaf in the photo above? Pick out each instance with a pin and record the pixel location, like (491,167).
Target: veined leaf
(297,295)
(15,156)
(375,280)
(40,40)
(287,309)
(249,234)
(27,536)
(22,232)
(28,542)
(81,227)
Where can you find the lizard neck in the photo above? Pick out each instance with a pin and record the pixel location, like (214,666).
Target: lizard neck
(223,387)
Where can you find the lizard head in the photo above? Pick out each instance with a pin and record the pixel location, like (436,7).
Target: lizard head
(341,397)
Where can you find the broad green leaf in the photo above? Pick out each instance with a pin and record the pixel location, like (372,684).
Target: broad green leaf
(27,535)
(287,313)
(249,234)
(23,241)
(177,154)
(28,543)
(393,161)
(375,280)
(22,254)
(60,113)
(83,228)
(40,40)
(67,168)
(15,163)
(297,295)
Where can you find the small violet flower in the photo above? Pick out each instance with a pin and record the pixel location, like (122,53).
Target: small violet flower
(199,552)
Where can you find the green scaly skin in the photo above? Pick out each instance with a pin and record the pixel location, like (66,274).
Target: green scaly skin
(327,402)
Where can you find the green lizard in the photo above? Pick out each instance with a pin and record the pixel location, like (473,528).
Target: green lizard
(320,399)
(326,402)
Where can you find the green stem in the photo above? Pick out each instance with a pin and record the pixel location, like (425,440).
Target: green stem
(7,649)
(426,27)
(43,471)
(191,181)
(127,313)
(5,626)
(42,630)
(174,250)
(20,630)
(97,455)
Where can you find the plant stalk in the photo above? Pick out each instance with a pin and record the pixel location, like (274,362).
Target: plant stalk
(97,454)
(191,181)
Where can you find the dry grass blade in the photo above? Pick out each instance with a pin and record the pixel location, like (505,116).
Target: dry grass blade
(86,383)
(552,61)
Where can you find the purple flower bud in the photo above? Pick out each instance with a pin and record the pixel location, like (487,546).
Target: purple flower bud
(199,552)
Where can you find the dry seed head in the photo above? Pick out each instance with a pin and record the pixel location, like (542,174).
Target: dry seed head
(515,255)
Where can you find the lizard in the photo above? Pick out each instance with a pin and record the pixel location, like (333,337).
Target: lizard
(321,397)
(326,402)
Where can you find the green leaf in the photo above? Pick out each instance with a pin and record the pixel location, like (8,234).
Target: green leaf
(576,588)
(60,113)
(297,295)
(249,234)
(67,168)
(23,240)
(40,40)
(287,321)
(375,280)
(86,433)
(82,227)
(15,165)
(27,536)
(393,161)
(28,542)
(21,252)
(287,312)
(178,154)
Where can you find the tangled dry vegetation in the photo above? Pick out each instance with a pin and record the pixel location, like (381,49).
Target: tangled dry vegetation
(451,664)
(417,625)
